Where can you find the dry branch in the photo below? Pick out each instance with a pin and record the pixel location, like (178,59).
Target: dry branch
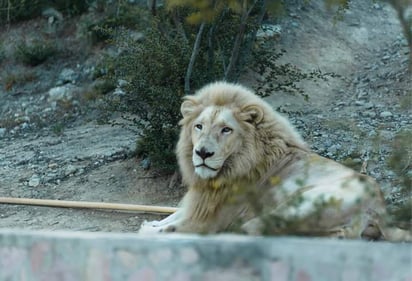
(87,205)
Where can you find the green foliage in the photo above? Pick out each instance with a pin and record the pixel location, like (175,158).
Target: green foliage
(231,27)
(71,7)
(35,52)
(401,160)
(155,69)
(99,89)
(102,26)
(204,10)
(17,78)
(17,10)
(58,129)
(401,163)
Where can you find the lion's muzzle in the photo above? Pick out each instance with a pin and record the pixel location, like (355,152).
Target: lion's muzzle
(203,153)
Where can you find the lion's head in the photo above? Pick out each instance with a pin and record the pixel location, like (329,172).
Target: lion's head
(229,133)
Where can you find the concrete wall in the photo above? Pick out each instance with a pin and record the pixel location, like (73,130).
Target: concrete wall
(28,255)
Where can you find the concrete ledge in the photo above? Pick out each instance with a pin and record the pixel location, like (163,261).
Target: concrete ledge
(32,255)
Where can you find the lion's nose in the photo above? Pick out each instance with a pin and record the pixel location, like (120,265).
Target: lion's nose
(203,153)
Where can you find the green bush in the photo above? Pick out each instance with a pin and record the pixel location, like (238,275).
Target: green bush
(35,52)
(102,27)
(155,69)
(17,10)
(400,162)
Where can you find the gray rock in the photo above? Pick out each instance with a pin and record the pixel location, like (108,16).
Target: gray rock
(295,24)
(34,181)
(369,113)
(67,75)
(385,114)
(24,126)
(61,93)
(122,83)
(368,105)
(119,92)
(70,170)
(269,31)
(376,6)
(2,132)
(52,13)
(145,163)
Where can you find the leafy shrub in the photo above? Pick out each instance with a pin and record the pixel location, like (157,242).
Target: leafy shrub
(35,52)
(401,163)
(17,77)
(154,69)
(101,25)
(17,10)
(401,159)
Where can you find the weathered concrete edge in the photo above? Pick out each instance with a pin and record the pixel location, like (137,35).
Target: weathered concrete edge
(40,255)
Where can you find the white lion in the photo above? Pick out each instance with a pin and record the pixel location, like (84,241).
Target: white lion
(248,170)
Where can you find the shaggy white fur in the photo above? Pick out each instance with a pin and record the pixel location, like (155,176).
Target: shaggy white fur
(248,170)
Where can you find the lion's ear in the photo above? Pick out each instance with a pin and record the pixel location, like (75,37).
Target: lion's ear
(252,114)
(188,106)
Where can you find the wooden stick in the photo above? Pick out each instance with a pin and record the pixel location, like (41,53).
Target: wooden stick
(87,205)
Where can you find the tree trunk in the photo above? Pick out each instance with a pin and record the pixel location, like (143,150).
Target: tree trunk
(195,51)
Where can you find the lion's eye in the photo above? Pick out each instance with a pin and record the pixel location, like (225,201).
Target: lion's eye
(226,130)
(198,127)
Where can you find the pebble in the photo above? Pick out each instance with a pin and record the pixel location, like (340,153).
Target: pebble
(2,132)
(385,114)
(24,126)
(60,93)
(34,181)
(122,83)
(269,31)
(67,75)
(119,92)
(70,169)
(145,163)
(376,6)
(368,105)
(369,113)
(295,24)
(53,166)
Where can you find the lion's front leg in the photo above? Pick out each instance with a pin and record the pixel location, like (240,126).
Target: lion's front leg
(165,225)
(188,226)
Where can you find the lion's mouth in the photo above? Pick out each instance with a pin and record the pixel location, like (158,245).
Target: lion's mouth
(206,166)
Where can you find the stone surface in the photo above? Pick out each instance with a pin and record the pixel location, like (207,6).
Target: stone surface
(29,255)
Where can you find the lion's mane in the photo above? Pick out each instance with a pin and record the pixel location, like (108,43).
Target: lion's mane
(268,134)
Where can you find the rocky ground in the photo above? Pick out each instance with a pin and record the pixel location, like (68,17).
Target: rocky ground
(58,143)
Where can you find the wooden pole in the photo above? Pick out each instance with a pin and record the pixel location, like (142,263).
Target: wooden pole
(87,205)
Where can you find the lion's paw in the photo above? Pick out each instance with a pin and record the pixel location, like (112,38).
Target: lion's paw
(150,227)
(170,228)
